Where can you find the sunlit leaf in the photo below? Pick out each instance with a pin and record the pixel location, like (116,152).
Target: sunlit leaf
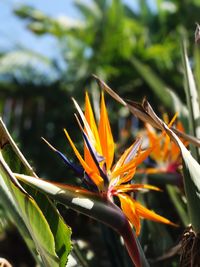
(192,100)
(39,218)
(94,206)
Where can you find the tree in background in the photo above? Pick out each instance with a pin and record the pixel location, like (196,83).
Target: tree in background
(136,52)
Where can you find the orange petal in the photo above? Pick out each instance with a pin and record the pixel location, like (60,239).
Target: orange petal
(116,181)
(124,169)
(87,127)
(89,116)
(127,177)
(166,148)
(173,119)
(105,134)
(121,160)
(134,187)
(151,215)
(180,127)
(91,121)
(134,151)
(152,170)
(129,209)
(154,140)
(142,155)
(92,173)
(175,153)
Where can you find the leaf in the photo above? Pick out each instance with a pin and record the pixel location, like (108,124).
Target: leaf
(8,202)
(192,100)
(95,206)
(197,67)
(31,216)
(57,232)
(175,196)
(154,82)
(191,181)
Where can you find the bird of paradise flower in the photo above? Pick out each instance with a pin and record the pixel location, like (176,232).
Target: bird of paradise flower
(166,154)
(97,165)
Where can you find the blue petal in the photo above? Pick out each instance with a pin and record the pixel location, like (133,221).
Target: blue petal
(95,158)
(77,169)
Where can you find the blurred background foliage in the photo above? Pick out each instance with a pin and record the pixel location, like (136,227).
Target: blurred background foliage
(137,52)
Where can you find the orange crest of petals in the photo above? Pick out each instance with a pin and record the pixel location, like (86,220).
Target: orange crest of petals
(105,135)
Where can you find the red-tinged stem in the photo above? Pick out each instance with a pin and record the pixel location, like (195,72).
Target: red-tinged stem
(133,246)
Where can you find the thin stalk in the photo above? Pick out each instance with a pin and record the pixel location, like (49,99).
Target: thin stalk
(130,238)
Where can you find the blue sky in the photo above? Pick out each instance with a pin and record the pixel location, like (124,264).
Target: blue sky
(13,30)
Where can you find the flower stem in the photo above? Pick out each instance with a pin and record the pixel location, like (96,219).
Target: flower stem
(133,247)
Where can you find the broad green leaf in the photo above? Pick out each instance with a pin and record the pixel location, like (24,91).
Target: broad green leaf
(31,215)
(9,204)
(191,181)
(192,100)
(60,231)
(95,206)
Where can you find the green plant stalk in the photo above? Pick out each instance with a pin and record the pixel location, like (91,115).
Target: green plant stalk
(95,206)
(172,191)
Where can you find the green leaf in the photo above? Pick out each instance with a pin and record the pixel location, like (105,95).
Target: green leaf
(10,206)
(191,181)
(95,206)
(197,68)
(31,215)
(154,82)
(179,205)
(192,100)
(58,233)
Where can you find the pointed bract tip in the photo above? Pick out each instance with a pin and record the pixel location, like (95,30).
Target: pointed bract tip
(95,76)
(98,80)
(52,147)
(78,121)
